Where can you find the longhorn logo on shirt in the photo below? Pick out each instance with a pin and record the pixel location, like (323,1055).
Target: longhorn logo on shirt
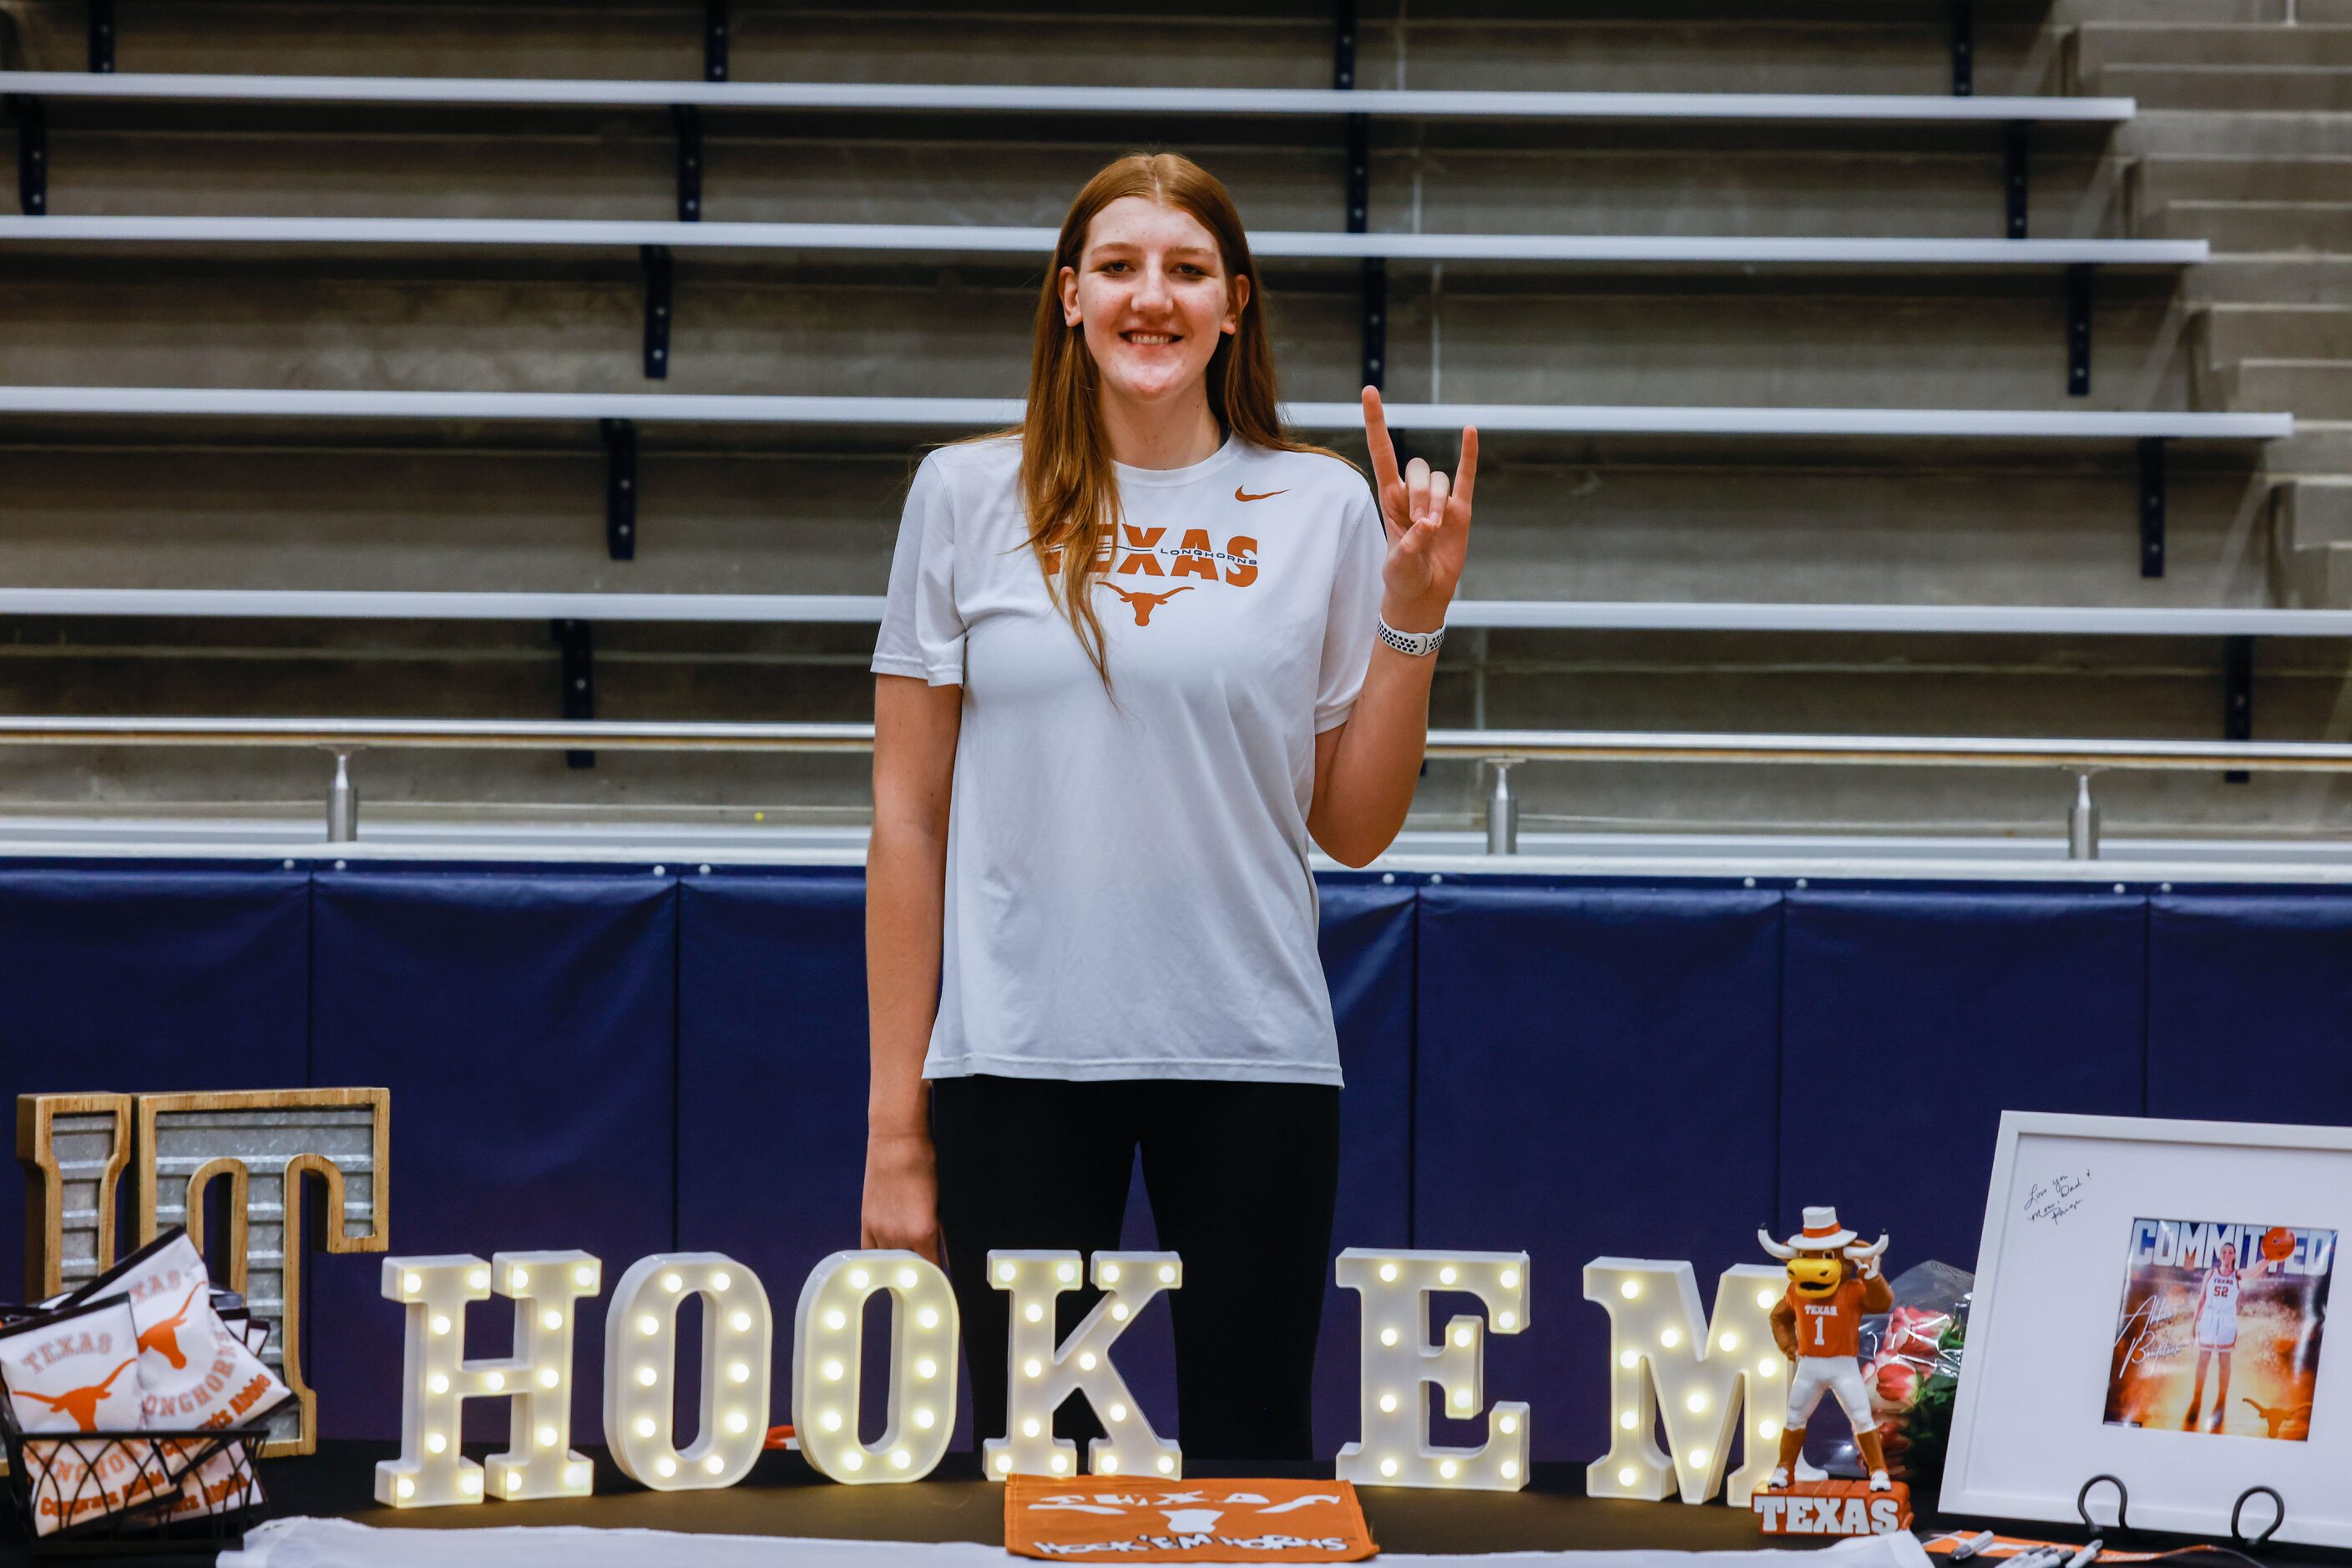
(1144,604)
(79,1404)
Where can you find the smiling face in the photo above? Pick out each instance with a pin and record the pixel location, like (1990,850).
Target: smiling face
(1151,295)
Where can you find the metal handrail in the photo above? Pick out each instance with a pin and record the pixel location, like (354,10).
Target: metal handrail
(1501,749)
(438,734)
(1505,746)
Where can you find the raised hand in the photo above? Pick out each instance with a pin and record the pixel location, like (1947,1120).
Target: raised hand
(1427,517)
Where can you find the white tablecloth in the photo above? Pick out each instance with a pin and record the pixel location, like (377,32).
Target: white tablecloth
(339,1543)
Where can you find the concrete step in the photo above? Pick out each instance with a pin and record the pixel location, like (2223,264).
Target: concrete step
(2203,135)
(1702,180)
(1908,524)
(2311,388)
(2314,512)
(2289,280)
(1824,46)
(2209,12)
(2318,577)
(2161,179)
(2321,446)
(2278,331)
(2311,544)
(1999,343)
(2322,13)
(2095,46)
(2238,228)
(2238,88)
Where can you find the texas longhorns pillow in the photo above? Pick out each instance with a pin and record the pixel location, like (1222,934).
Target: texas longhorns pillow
(77,1371)
(197,1374)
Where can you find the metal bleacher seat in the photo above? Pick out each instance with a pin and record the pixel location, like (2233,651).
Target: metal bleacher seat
(977,413)
(980,240)
(924,97)
(860,609)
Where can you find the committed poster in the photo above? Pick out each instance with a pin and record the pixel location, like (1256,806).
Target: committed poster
(2221,1327)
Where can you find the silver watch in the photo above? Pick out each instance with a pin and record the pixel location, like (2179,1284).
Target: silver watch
(1420,645)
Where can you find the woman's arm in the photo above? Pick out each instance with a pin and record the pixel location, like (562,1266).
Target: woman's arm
(1366,768)
(915,726)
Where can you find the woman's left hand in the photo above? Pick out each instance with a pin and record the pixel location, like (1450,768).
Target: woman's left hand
(1428,520)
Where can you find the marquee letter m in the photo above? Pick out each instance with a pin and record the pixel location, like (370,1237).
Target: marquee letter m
(1702,1374)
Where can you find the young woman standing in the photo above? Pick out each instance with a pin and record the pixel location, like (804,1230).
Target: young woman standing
(1136,655)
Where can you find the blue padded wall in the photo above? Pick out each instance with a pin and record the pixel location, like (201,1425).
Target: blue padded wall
(771,1081)
(525,1024)
(627,1062)
(2250,1007)
(148,979)
(1914,1018)
(1370,932)
(1595,1076)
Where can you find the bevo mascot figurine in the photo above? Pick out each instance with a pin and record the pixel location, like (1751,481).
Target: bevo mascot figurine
(1818,1325)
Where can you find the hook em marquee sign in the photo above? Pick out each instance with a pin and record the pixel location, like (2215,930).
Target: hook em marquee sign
(1400,1362)
(1702,1378)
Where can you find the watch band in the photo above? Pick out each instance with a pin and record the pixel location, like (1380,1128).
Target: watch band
(1420,645)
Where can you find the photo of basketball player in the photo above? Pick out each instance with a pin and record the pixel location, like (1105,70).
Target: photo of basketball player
(2220,1328)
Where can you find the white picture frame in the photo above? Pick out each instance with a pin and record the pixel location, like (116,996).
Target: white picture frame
(2043,1375)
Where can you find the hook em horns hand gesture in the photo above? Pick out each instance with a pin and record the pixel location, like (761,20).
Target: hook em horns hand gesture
(1427,517)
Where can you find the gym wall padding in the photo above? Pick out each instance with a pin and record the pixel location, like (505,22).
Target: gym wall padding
(2250,1008)
(526,1025)
(152,978)
(627,1062)
(1913,1020)
(1596,1077)
(1368,945)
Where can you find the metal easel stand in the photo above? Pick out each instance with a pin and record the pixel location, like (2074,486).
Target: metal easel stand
(2121,1531)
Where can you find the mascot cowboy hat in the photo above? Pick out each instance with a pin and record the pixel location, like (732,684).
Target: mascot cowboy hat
(1821,1234)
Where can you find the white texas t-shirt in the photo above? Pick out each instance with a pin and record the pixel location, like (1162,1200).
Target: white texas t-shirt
(1127,893)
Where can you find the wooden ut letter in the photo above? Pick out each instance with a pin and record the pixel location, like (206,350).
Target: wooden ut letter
(262,1143)
(74,1149)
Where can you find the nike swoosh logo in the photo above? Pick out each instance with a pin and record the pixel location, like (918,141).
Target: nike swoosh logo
(1240,494)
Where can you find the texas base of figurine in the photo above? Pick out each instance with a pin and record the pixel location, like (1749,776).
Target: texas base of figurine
(1832,1508)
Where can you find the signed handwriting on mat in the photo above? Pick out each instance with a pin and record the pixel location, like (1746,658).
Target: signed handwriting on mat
(2056,1199)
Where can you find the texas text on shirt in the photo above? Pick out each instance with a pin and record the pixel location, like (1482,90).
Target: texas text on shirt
(1128,893)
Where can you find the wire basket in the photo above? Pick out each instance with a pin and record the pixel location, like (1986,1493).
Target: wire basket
(91,1493)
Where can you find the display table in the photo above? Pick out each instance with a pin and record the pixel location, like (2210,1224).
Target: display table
(784,1498)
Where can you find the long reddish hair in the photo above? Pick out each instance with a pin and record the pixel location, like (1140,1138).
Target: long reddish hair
(1070,491)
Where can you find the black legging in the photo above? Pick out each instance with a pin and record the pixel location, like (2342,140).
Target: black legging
(1242,1178)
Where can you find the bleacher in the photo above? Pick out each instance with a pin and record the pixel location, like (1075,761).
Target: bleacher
(1915,369)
